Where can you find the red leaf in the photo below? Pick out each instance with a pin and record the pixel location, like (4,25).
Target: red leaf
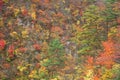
(22,49)
(37,65)
(106,58)
(24,12)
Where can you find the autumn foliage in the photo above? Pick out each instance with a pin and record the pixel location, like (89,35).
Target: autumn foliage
(59,40)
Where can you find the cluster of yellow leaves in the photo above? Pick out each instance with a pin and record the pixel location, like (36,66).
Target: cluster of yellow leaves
(36,73)
(33,74)
(14,34)
(42,69)
(25,34)
(33,15)
(54,79)
(89,75)
(46,32)
(16,11)
(112,32)
(107,74)
(5,1)
(44,47)
(21,68)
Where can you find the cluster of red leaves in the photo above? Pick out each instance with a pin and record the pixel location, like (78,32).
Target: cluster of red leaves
(37,46)
(1,4)
(11,51)
(106,58)
(2,44)
(108,47)
(24,12)
(22,49)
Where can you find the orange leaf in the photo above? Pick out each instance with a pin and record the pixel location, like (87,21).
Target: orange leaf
(2,35)
(96,78)
(6,65)
(46,1)
(90,60)
(57,29)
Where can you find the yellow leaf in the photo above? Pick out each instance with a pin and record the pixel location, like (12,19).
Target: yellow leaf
(44,46)
(9,22)
(45,60)
(78,22)
(30,76)
(33,15)
(63,1)
(67,9)
(76,12)
(16,11)
(43,69)
(17,50)
(5,1)
(21,68)
(1,22)
(54,79)
(33,74)
(14,34)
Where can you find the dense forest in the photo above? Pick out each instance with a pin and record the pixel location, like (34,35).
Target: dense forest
(59,40)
